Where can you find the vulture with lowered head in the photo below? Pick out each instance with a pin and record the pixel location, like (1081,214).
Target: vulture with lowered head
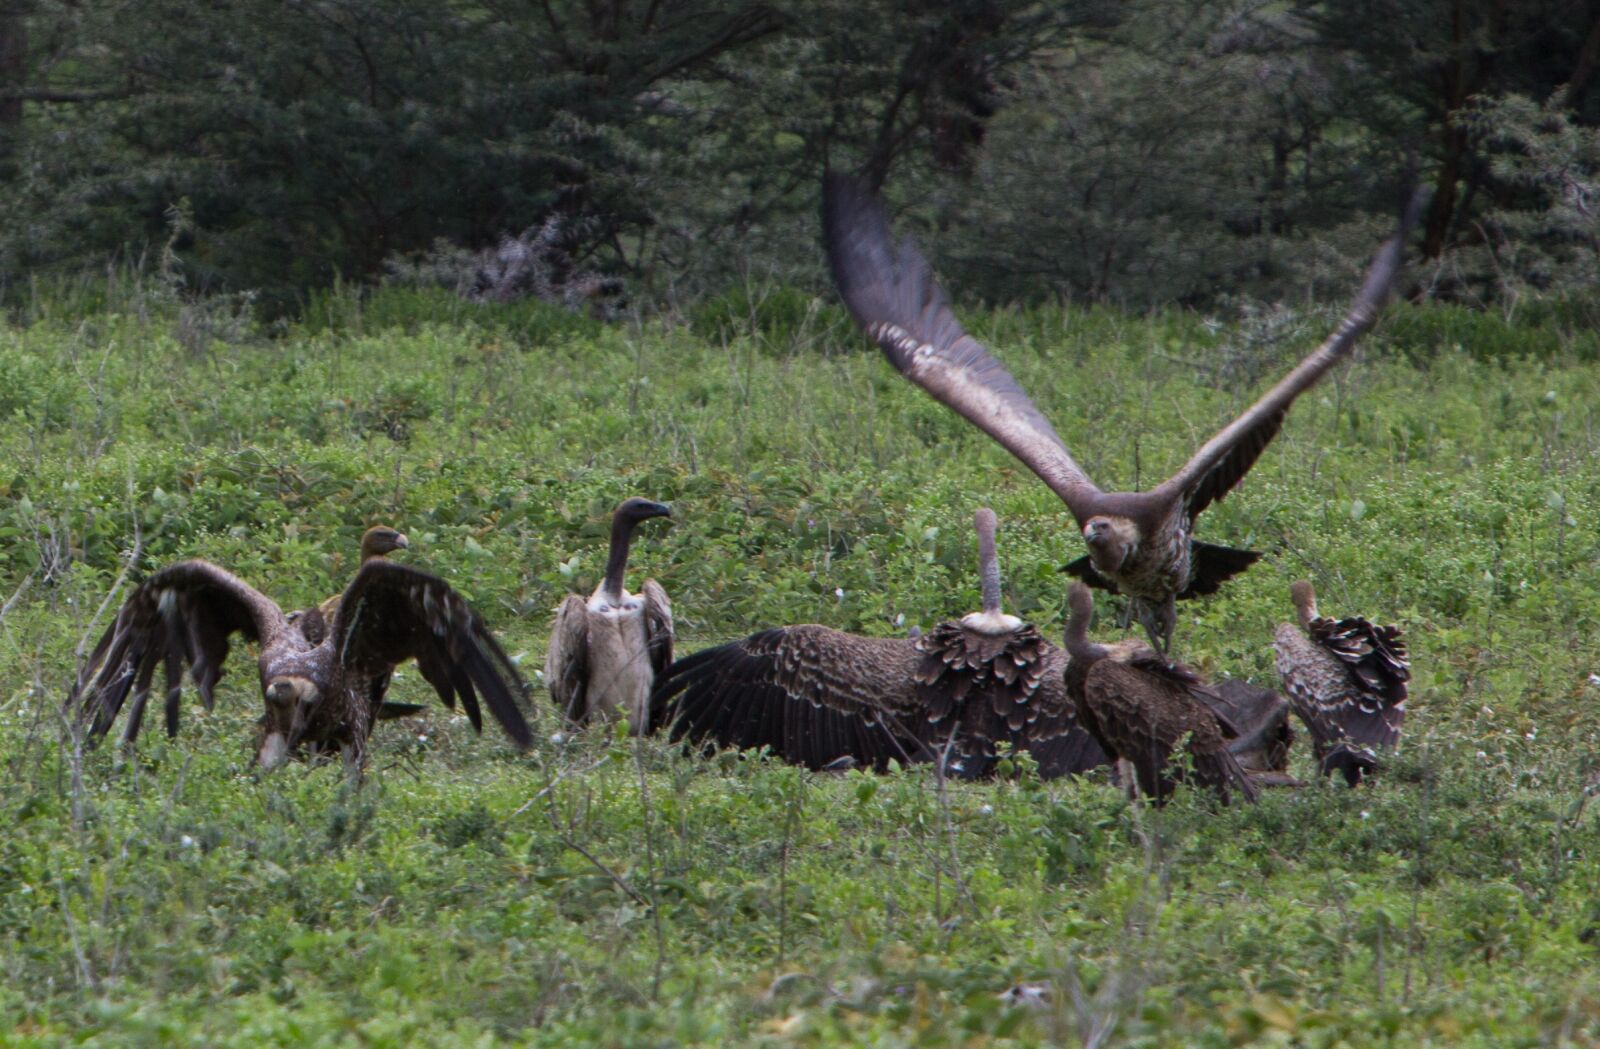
(606,652)
(1140,543)
(1142,708)
(1346,678)
(322,688)
(817,697)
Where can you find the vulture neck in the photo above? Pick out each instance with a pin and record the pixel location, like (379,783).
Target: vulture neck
(991,620)
(1305,603)
(621,537)
(1079,648)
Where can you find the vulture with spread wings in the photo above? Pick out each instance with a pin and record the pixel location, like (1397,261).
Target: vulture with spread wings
(321,682)
(1140,543)
(818,697)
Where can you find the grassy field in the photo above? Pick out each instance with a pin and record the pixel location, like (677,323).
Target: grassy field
(603,891)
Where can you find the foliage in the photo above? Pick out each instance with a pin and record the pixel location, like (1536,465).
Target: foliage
(604,891)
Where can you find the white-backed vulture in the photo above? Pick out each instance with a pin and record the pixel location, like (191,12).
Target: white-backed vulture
(1346,678)
(1142,708)
(320,694)
(1140,543)
(823,698)
(605,652)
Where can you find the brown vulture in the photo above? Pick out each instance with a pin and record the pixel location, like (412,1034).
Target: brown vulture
(1142,708)
(823,698)
(606,652)
(321,688)
(1346,678)
(1140,543)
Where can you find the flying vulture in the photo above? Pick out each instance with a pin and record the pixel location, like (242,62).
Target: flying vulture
(1140,543)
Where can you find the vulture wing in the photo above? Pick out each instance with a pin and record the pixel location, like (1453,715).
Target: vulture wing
(566,666)
(181,615)
(811,694)
(1223,461)
(892,294)
(391,612)
(658,626)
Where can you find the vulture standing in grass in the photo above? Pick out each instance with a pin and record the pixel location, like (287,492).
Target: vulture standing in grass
(606,652)
(822,698)
(1140,543)
(1346,678)
(1142,708)
(320,694)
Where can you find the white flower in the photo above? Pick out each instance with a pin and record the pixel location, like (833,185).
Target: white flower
(986,810)
(186,841)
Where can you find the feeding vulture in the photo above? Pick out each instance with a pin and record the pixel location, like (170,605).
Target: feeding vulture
(321,689)
(1140,543)
(1347,680)
(1142,708)
(817,697)
(607,651)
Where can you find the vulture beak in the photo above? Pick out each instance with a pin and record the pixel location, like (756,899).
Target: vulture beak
(289,698)
(401,542)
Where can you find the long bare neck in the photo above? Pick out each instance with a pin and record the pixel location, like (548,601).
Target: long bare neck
(617,563)
(1079,647)
(988,561)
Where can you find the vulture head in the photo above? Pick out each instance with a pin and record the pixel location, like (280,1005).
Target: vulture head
(291,701)
(1112,541)
(380,540)
(635,510)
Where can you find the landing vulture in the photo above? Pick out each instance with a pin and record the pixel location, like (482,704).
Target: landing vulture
(1140,543)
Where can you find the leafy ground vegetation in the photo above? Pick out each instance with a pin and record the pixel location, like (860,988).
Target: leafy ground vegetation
(609,891)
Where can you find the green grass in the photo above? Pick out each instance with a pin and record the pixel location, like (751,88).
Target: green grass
(602,891)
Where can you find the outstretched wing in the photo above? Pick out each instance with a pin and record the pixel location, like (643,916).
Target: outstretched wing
(811,694)
(181,615)
(1223,461)
(391,612)
(566,664)
(892,294)
(657,626)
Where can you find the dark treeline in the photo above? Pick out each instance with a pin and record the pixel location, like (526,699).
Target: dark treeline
(1156,151)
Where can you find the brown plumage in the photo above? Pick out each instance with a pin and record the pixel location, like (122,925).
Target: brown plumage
(1139,543)
(320,694)
(1346,678)
(606,652)
(815,695)
(1142,707)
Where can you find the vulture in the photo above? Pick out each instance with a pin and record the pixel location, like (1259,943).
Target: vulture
(1346,678)
(321,683)
(1140,543)
(822,698)
(1142,708)
(606,652)
(377,541)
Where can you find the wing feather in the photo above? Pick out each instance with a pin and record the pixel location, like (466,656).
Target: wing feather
(892,294)
(809,693)
(566,666)
(657,625)
(392,612)
(181,615)
(1224,460)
